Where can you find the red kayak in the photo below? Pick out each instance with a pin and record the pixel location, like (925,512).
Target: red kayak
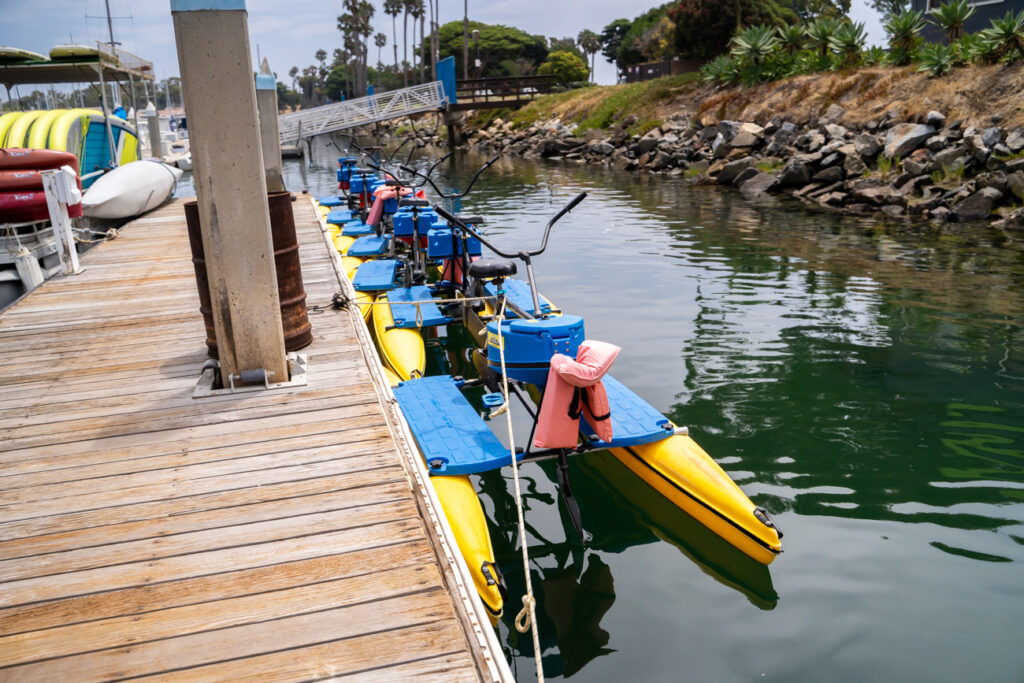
(18,159)
(23,207)
(21,181)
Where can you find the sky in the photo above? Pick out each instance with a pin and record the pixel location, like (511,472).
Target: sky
(288,33)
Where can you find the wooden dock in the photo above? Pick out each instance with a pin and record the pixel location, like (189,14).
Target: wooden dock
(281,535)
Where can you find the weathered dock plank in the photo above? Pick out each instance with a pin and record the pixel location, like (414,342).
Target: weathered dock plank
(261,536)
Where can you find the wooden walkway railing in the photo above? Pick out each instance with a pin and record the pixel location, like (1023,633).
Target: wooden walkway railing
(494,93)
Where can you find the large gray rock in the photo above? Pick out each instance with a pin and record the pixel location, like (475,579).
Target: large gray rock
(733,169)
(745,175)
(835,132)
(829,175)
(728,129)
(934,119)
(904,138)
(992,136)
(759,186)
(661,161)
(866,145)
(719,146)
(794,174)
(1015,184)
(977,148)
(1015,139)
(977,206)
(745,140)
(853,165)
(996,179)
(949,157)
(646,144)
(833,113)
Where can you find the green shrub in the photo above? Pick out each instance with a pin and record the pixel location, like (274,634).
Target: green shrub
(951,17)
(1005,38)
(848,42)
(904,31)
(937,59)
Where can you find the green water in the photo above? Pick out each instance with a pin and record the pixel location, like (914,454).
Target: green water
(863,381)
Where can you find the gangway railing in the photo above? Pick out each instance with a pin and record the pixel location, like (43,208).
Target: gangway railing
(297,126)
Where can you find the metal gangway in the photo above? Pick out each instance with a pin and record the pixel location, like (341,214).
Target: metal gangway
(301,125)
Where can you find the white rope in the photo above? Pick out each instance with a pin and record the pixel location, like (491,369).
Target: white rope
(527,617)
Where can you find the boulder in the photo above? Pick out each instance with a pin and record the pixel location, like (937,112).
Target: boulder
(990,137)
(718,146)
(1015,221)
(758,186)
(833,113)
(854,165)
(893,210)
(1015,184)
(661,161)
(934,119)
(833,198)
(732,169)
(918,166)
(728,129)
(832,160)
(904,138)
(745,175)
(936,143)
(752,128)
(1014,165)
(605,148)
(745,140)
(949,157)
(794,174)
(977,148)
(977,206)
(835,132)
(831,174)
(866,145)
(646,144)
(996,179)
(1015,139)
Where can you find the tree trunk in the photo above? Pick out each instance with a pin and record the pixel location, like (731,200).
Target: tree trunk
(394,38)
(405,48)
(423,47)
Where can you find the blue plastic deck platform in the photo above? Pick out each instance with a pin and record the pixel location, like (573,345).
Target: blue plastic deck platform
(336,200)
(340,216)
(368,245)
(356,229)
(451,435)
(376,276)
(634,420)
(403,309)
(518,292)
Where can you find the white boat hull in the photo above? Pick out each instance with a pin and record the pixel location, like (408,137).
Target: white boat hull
(130,190)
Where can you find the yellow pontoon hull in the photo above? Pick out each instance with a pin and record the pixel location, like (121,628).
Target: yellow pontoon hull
(683,472)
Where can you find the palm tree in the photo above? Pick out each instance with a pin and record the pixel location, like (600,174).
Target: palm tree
(590,43)
(294,73)
(380,40)
(393,8)
(421,14)
(407,5)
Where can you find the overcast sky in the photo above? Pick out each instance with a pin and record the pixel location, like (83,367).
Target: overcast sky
(289,32)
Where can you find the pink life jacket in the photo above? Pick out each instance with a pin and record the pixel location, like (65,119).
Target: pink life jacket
(574,388)
(379,196)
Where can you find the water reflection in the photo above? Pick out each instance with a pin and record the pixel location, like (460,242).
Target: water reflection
(861,379)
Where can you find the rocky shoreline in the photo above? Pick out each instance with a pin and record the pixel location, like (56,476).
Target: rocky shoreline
(928,168)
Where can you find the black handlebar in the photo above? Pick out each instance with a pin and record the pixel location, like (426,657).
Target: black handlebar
(523,255)
(454,195)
